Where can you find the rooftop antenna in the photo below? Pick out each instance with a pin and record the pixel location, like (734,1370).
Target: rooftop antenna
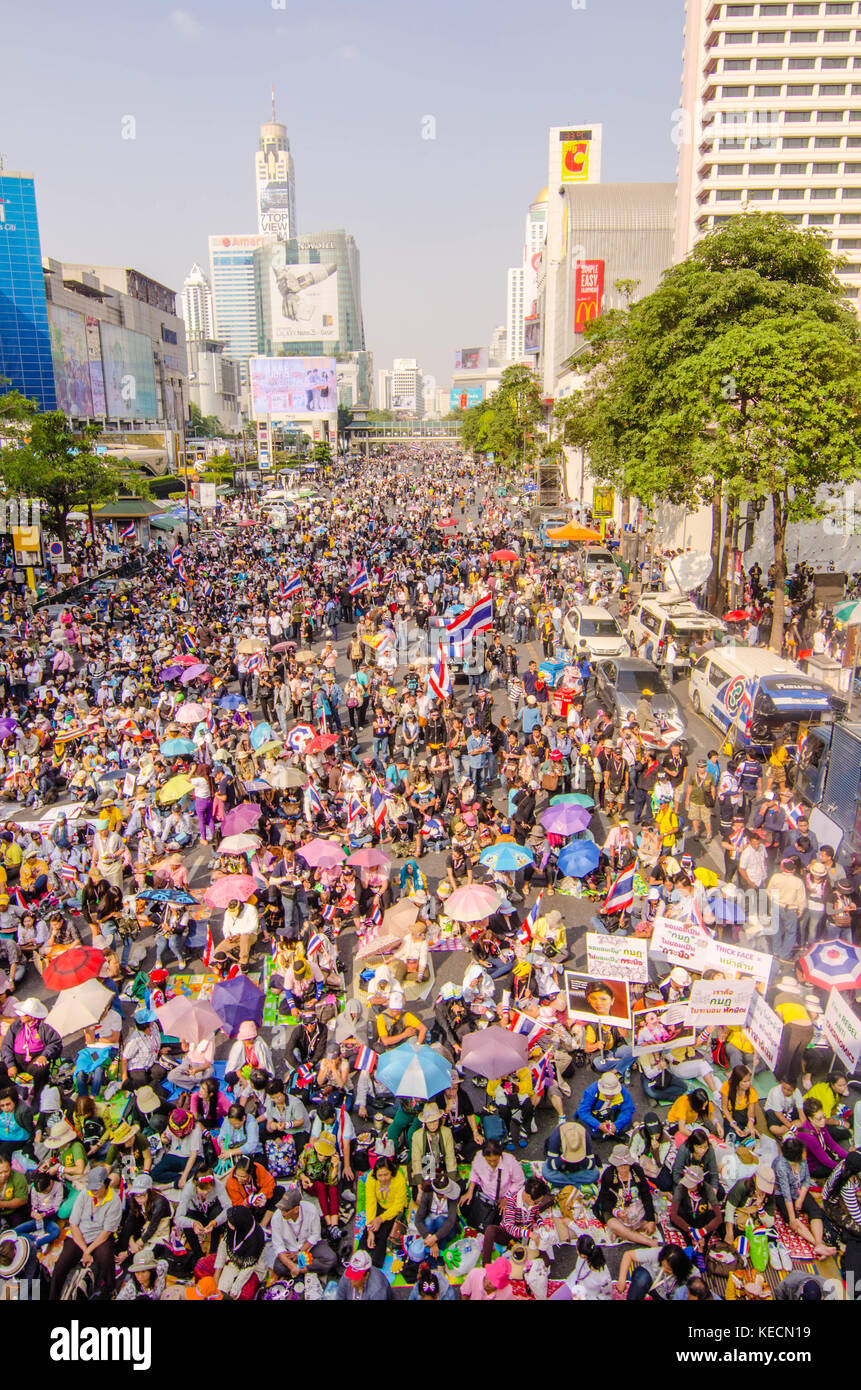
(272,91)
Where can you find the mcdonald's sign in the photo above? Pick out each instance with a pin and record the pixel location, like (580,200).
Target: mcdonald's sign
(588,293)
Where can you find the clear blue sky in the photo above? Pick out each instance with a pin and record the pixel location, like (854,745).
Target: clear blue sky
(437,221)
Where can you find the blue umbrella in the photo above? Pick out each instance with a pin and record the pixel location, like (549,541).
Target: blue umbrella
(231,702)
(579,859)
(573,799)
(727,909)
(261,733)
(173,747)
(411,1070)
(168,895)
(507,857)
(238,1000)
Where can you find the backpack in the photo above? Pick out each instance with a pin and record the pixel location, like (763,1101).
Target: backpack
(80,1285)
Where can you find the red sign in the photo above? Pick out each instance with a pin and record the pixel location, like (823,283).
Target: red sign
(588,292)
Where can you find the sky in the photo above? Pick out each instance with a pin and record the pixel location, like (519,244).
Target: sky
(437,221)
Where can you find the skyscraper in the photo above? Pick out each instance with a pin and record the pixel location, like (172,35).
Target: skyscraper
(332,320)
(195,304)
(770,120)
(522,285)
(231,264)
(25,343)
(275,181)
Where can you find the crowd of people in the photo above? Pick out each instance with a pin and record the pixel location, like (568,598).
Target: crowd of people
(295,879)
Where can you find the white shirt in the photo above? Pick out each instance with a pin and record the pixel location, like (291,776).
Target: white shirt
(245,923)
(291,1236)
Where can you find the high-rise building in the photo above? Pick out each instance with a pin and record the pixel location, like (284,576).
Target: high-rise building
(522,285)
(234,297)
(309,295)
(275,180)
(25,343)
(195,304)
(404,387)
(497,352)
(770,120)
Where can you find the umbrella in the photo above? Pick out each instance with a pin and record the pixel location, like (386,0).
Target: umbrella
(170,673)
(398,918)
(233,886)
(305,655)
(565,820)
(449,521)
(239,844)
(322,854)
(257,785)
(579,859)
(571,531)
(415,1071)
(849,612)
(175,747)
(243,817)
(738,615)
(231,702)
(573,799)
(321,742)
(505,555)
(190,713)
(168,895)
(281,647)
(494,1052)
(236,1001)
(832,965)
(270,746)
(8,725)
(472,903)
(369,859)
(294,777)
(197,672)
(299,737)
(192,1020)
(249,645)
(186,659)
(507,857)
(727,908)
(80,1007)
(260,734)
(173,790)
(73,967)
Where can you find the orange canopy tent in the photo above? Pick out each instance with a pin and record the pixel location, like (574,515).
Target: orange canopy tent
(572,532)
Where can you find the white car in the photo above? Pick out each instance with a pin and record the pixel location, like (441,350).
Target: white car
(589,623)
(598,563)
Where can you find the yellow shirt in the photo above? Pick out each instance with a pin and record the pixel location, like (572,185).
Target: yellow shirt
(791,1012)
(823,1092)
(386,1026)
(524,1085)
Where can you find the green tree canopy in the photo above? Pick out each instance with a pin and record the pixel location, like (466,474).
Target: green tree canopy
(505,424)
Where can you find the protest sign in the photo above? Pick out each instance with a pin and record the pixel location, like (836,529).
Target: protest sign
(732,959)
(658,1027)
(681,943)
(764,1028)
(617,957)
(597,1000)
(724,1002)
(842,1028)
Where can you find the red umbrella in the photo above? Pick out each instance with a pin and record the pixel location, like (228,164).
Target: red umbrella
(449,521)
(73,967)
(506,555)
(737,615)
(320,742)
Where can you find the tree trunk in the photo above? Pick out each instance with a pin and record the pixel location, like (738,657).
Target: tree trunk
(721,601)
(717,534)
(779,534)
(626,510)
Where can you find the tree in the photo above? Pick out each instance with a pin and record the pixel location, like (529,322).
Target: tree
(58,466)
(345,418)
(736,381)
(202,426)
(380,417)
(322,453)
(505,424)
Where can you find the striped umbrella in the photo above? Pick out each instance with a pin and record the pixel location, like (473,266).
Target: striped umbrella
(832,965)
(299,737)
(414,1071)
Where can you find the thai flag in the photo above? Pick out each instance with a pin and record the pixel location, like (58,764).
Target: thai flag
(181,570)
(316,942)
(208,590)
(793,816)
(69,873)
(254,662)
(440,677)
(304,1076)
(524,936)
(175,555)
(366,1059)
(478,618)
(209,721)
(543,1075)
(360,582)
(128,532)
(328,913)
(291,586)
(376,917)
(621,893)
(378,801)
(354,807)
(387,577)
(188,642)
(528,1028)
(19,897)
(315,802)
(206,957)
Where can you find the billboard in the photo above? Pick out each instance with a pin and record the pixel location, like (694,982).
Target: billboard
(293,385)
(71,362)
(97,379)
(401,401)
(129,374)
(574,155)
(274,200)
(588,292)
(532,334)
(465,398)
(303,299)
(470,359)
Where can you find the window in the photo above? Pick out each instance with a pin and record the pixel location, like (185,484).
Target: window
(855,116)
(797,117)
(842,7)
(837,36)
(827,142)
(766,37)
(805,9)
(761,195)
(823,193)
(736,65)
(739,11)
(824,169)
(801,64)
(821,219)
(796,89)
(759,169)
(855,89)
(793,168)
(831,89)
(793,216)
(804,36)
(769,64)
(795,142)
(850,194)
(736,91)
(717,676)
(852,168)
(765,11)
(744,37)
(724,169)
(849,243)
(829,117)
(831,63)
(790,195)
(728,195)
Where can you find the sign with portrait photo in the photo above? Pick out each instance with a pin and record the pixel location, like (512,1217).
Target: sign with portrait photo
(592,999)
(657,1027)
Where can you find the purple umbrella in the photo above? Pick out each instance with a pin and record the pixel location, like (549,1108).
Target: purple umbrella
(241,818)
(170,673)
(8,725)
(193,673)
(236,1001)
(565,820)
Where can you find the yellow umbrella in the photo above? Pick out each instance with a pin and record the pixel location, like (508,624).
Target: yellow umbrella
(173,790)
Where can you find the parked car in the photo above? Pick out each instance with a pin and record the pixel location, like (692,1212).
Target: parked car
(594,625)
(620,684)
(598,563)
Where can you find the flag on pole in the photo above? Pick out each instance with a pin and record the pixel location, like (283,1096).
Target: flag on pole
(291,585)
(128,532)
(366,1060)
(188,642)
(621,893)
(354,807)
(208,590)
(440,677)
(175,555)
(360,582)
(378,802)
(478,618)
(542,1075)
(254,662)
(524,936)
(316,942)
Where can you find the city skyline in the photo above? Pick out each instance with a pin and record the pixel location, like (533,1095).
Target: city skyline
(447,164)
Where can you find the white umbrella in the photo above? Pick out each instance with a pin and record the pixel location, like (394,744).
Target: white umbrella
(190,713)
(79,1007)
(239,844)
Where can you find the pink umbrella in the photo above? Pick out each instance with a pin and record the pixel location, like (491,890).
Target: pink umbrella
(190,713)
(186,659)
(192,1020)
(232,886)
(197,672)
(322,854)
(241,819)
(494,1052)
(472,903)
(369,859)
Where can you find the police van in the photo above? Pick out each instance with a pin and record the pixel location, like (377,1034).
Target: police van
(758,699)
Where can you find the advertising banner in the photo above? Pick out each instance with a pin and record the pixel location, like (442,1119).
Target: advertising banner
(532,334)
(617,957)
(97,378)
(574,163)
(303,299)
(470,359)
(129,374)
(293,385)
(588,293)
(764,1028)
(682,943)
(719,1001)
(842,1028)
(466,398)
(71,362)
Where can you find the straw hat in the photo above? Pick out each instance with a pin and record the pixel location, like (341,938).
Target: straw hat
(609,1084)
(60,1134)
(572,1139)
(765,1178)
(620,1156)
(693,1176)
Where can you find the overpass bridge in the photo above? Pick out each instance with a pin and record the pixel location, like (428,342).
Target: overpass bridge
(367,432)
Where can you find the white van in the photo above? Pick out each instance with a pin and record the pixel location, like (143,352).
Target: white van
(756,698)
(670,614)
